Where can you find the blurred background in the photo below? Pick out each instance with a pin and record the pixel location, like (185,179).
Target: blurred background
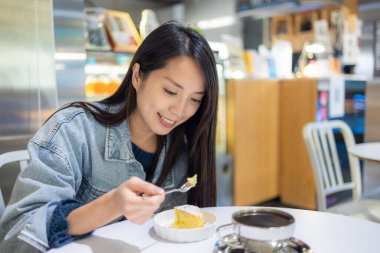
(281,64)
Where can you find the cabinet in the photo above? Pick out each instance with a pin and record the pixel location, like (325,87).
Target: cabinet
(298,28)
(282,28)
(304,30)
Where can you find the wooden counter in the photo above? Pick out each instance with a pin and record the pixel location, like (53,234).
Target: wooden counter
(298,106)
(252,139)
(264,135)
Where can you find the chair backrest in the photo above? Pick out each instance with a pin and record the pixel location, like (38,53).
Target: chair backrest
(20,156)
(322,149)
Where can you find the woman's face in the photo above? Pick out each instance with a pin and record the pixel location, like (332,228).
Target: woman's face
(167,97)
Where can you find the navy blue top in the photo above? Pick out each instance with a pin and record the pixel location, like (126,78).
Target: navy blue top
(57,234)
(145,158)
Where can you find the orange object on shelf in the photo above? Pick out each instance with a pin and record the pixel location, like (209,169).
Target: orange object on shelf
(335,65)
(101,86)
(90,86)
(113,85)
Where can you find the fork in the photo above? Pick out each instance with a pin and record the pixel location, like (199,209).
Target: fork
(184,188)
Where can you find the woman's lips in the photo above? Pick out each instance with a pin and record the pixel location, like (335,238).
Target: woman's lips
(165,121)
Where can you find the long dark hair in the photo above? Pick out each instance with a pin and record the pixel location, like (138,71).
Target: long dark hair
(170,40)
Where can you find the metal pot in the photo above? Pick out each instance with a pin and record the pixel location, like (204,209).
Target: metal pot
(261,230)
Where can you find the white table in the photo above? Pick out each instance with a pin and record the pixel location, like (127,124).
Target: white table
(323,232)
(366,151)
(370,153)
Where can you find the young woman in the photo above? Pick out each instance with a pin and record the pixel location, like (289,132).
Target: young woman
(91,162)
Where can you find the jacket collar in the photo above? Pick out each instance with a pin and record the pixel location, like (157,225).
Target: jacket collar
(118,145)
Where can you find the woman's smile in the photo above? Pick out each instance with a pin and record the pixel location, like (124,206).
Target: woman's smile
(165,121)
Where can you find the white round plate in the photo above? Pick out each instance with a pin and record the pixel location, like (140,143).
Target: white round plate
(164,220)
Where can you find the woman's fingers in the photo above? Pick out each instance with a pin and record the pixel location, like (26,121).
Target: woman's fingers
(141,215)
(144,210)
(139,199)
(138,185)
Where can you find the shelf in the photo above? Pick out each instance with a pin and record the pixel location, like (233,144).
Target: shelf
(293,7)
(103,69)
(283,8)
(110,57)
(107,63)
(124,49)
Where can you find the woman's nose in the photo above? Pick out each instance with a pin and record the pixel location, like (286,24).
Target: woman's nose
(178,107)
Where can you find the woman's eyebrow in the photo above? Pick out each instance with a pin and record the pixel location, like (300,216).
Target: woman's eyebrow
(173,82)
(180,86)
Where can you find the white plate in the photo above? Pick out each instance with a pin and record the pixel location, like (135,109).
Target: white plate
(164,220)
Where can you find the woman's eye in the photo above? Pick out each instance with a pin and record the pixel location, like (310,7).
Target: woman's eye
(171,93)
(197,101)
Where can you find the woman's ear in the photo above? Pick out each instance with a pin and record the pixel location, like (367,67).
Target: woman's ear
(136,79)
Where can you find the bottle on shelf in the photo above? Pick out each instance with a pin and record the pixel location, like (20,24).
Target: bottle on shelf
(95,33)
(113,84)
(148,22)
(90,85)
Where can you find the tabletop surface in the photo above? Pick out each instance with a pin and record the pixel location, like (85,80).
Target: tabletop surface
(367,151)
(323,232)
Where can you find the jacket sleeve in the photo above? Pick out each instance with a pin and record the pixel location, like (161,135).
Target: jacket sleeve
(57,232)
(49,178)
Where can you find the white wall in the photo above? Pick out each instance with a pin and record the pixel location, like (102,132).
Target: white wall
(198,10)
(174,12)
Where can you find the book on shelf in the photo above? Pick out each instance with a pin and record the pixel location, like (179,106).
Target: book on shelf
(122,32)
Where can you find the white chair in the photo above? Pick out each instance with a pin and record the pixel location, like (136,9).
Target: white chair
(322,149)
(20,156)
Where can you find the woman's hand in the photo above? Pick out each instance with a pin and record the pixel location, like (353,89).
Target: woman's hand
(125,200)
(130,202)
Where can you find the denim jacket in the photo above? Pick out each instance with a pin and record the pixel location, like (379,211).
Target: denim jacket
(74,157)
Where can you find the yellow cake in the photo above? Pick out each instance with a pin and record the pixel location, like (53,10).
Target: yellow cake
(192,181)
(188,216)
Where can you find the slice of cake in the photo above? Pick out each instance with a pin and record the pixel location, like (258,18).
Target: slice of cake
(192,181)
(188,216)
